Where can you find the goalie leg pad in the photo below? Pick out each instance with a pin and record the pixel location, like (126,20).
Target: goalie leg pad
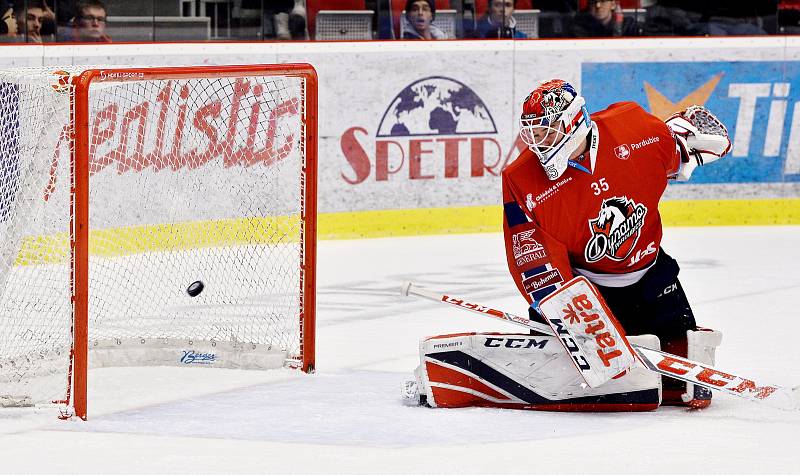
(521,371)
(700,346)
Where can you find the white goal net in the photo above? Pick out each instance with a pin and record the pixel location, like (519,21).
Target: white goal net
(201,176)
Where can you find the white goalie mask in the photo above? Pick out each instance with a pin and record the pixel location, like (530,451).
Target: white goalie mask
(553,124)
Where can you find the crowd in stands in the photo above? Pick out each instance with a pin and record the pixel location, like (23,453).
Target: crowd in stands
(37,21)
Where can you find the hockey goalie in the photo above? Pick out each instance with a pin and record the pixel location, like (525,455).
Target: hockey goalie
(583,244)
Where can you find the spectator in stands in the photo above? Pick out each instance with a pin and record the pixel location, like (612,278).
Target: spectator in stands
(555,17)
(418,21)
(89,24)
(720,18)
(283,19)
(8,27)
(561,6)
(30,21)
(673,17)
(499,21)
(789,17)
(603,18)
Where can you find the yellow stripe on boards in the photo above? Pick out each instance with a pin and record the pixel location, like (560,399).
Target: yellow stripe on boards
(114,242)
(199,234)
(409,222)
(756,212)
(479,219)
(373,224)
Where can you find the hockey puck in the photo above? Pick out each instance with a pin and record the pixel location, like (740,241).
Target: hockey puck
(195,288)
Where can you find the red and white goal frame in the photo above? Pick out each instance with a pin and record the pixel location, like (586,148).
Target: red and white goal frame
(176,174)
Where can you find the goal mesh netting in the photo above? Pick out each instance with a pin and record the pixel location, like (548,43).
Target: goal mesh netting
(193,176)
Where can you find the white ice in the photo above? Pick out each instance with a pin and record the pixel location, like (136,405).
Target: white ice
(347,418)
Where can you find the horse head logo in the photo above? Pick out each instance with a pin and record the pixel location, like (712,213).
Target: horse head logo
(616,229)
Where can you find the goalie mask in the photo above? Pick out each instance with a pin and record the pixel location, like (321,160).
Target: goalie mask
(553,124)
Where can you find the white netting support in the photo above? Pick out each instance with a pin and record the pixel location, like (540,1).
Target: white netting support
(35,309)
(191,179)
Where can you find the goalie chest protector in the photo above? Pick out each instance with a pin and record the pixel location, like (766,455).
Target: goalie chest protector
(604,208)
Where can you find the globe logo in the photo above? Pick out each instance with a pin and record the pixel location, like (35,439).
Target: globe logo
(436,105)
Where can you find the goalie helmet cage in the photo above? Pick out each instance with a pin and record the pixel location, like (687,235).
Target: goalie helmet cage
(120,188)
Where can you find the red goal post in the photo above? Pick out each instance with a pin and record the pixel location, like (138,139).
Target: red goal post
(177,174)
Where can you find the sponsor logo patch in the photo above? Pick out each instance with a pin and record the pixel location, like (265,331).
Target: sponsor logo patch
(541,280)
(622,152)
(644,143)
(436,117)
(196,357)
(616,229)
(523,343)
(526,248)
(106,75)
(448,345)
(552,190)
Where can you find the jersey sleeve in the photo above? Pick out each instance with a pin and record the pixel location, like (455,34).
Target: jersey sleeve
(670,152)
(538,262)
(645,124)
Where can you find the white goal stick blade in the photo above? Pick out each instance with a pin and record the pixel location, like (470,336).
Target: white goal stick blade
(666,364)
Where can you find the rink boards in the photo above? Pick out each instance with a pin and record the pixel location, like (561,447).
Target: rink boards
(413,136)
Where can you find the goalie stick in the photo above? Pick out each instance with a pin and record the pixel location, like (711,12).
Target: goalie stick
(666,364)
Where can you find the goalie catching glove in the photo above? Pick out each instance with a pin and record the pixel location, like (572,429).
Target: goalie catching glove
(701,139)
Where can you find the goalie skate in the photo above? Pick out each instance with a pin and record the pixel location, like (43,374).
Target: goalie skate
(409,393)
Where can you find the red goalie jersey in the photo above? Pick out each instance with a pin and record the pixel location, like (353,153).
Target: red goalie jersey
(600,218)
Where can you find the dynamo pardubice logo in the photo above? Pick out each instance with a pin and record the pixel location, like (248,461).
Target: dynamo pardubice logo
(616,229)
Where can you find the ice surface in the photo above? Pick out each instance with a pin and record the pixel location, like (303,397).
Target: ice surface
(347,418)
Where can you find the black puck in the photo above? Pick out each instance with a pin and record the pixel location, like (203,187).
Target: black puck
(195,288)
